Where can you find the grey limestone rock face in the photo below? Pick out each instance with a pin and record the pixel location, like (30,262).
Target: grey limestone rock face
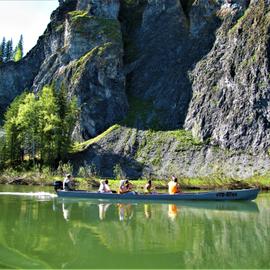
(160,154)
(105,8)
(156,67)
(165,39)
(230,104)
(16,77)
(81,48)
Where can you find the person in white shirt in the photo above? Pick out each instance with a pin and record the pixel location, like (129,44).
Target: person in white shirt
(104,187)
(68,184)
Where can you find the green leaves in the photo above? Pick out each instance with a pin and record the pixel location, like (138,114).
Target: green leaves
(18,54)
(38,128)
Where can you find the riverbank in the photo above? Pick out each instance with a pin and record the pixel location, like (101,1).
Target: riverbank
(199,183)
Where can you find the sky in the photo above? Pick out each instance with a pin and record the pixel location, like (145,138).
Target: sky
(26,17)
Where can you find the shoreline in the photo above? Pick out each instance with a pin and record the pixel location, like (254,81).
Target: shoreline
(206,183)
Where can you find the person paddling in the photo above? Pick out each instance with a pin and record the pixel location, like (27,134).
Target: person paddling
(174,187)
(148,187)
(68,183)
(125,187)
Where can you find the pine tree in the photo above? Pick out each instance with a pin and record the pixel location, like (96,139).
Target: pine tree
(9,51)
(3,50)
(20,44)
(67,112)
(17,54)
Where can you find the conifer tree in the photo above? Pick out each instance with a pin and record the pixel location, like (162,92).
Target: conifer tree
(20,44)
(3,50)
(18,52)
(9,51)
(1,56)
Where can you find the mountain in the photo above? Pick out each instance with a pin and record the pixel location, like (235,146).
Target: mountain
(164,86)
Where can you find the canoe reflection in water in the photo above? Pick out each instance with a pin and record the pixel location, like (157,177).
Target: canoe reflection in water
(123,211)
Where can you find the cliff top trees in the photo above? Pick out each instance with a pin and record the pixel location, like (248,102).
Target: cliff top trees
(8,54)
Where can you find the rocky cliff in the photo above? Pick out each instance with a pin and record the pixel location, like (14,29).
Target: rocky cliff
(185,80)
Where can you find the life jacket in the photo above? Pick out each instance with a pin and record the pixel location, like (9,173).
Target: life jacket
(173,188)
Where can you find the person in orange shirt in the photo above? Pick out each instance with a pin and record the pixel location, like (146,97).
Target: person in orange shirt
(174,186)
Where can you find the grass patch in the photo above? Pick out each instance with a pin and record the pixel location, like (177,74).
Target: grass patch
(80,64)
(82,22)
(27,174)
(76,14)
(239,22)
(183,136)
(79,147)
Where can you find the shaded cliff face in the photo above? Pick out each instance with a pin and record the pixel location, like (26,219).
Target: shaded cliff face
(228,83)
(163,42)
(230,104)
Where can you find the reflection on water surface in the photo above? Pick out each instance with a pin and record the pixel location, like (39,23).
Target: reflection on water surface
(50,232)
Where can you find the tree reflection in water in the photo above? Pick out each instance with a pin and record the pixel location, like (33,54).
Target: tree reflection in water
(233,235)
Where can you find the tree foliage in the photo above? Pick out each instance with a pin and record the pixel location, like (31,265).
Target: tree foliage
(38,128)
(7,53)
(18,52)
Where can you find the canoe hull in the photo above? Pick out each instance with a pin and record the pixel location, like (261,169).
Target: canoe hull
(226,195)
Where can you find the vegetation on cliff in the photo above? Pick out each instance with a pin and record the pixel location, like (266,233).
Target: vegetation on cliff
(165,87)
(7,53)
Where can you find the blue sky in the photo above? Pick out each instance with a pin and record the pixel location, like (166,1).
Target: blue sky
(27,17)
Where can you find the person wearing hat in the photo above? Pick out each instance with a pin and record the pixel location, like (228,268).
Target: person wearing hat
(68,184)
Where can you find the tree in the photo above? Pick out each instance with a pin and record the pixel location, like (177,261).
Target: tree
(9,51)
(3,50)
(2,149)
(20,44)
(27,124)
(12,131)
(40,128)
(49,123)
(18,52)
(67,111)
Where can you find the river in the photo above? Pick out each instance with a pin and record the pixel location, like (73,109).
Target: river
(39,230)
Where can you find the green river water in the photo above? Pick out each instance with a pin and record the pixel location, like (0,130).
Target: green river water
(39,230)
